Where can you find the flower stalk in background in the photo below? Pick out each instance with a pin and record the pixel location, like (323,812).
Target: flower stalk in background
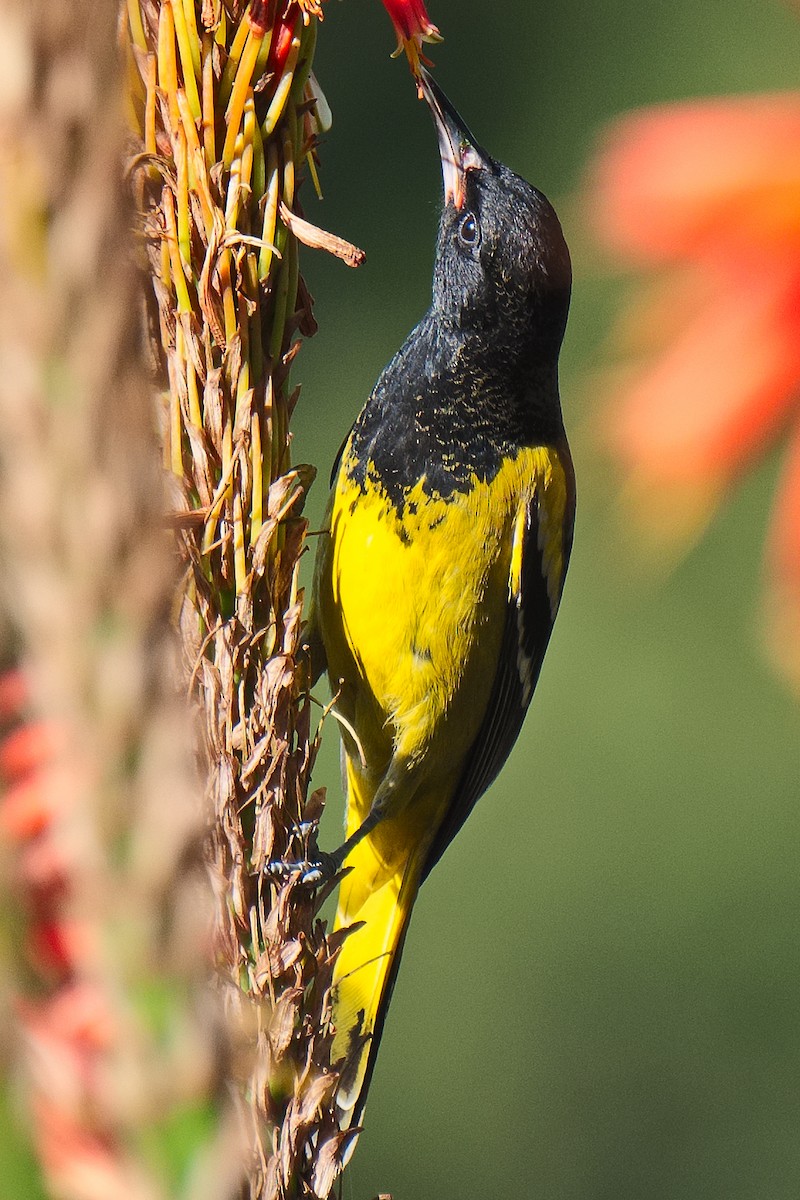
(707,196)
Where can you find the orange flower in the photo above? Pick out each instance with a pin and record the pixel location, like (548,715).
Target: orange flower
(711,190)
(413,27)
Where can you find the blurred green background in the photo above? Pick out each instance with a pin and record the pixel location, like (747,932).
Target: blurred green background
(600,992)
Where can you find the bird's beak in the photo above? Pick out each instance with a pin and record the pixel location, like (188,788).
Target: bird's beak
(457,147)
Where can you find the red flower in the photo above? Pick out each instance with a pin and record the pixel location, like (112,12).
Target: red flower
(711,190)
(40,786)
(413,27)
(281,44)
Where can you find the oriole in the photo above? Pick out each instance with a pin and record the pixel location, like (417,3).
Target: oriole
(436,587)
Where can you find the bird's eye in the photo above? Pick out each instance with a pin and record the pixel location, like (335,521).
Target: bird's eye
(468,230)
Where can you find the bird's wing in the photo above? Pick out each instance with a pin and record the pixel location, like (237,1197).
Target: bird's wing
(542,542)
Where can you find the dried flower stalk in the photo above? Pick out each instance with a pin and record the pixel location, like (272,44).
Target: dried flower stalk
(226,116)
(118,1035)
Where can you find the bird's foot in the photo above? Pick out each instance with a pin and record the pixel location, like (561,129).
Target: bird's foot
(311,872)
(305,863)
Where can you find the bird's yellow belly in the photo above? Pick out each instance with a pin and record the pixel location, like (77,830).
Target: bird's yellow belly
(412,611)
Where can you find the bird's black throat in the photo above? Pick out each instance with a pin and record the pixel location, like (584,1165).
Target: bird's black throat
(449,408)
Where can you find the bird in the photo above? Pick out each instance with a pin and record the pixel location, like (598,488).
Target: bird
(441,566)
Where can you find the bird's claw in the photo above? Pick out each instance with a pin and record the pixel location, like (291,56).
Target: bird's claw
(310,872)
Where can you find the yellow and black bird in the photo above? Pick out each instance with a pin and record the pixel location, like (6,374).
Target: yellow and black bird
(437,585)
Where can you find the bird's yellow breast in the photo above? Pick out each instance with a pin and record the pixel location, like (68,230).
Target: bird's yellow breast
(412,599)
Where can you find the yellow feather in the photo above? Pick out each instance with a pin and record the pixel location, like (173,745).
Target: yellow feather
(411,607)
(379,891)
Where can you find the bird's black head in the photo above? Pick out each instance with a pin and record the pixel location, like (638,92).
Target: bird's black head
(502,266)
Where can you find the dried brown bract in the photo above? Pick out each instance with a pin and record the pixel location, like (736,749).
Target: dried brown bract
(227,118)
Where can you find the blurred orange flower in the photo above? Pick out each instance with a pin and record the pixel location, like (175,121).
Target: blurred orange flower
(413,27)
(711,191)
(67,1025)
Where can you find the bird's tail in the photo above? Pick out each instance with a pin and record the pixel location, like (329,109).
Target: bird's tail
(380,890)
